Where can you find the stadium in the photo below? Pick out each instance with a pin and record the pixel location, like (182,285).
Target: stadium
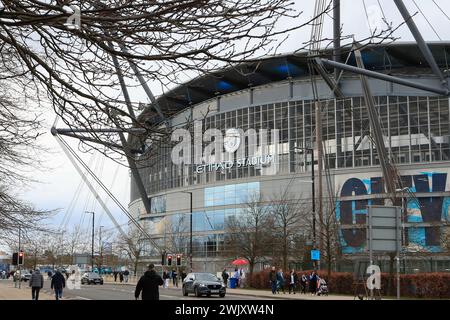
(280,93)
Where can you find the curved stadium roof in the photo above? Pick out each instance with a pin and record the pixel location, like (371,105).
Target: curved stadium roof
(382,58)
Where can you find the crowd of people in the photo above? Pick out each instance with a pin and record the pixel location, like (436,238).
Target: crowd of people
(122,275)
(303,283)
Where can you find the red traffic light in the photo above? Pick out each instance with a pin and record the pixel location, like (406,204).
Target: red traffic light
(169,260)
(21,254)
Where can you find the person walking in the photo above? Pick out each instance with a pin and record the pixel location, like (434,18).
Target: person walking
(16,278)
(293,280)
(36,284)
(303,282)
(273,280)
(126,273)
(57,284)
(280,281)
(225,277)
(175,278)
(148,285)
(313,283)
(115,276)
(183,275)
(236,276)
(121,276)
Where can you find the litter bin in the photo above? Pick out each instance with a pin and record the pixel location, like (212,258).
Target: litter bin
(233,283)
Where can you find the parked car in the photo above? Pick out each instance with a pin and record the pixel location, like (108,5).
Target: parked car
(91,278)
(203,284)
(25,276)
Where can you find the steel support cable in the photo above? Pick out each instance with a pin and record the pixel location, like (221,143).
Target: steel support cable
(132,219)
(439,7)
(367,17)
(74,200)
(112,184)
(69,153)
(99,169)
(92,174)
(426,19)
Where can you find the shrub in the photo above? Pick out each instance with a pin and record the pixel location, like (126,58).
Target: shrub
(421,285)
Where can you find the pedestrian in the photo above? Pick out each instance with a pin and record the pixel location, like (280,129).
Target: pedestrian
(174,278)
(57,284)
(303,283)
(115,276)
(273,280)
(125,275)
(236,277)
(36,284)
(121,276)
(293,277)
(49,274)
(280,281)
(16,278)
(225,277)
(183,275)
(148,284)
(241,278)
(312,283)
(165,279)
(3,274)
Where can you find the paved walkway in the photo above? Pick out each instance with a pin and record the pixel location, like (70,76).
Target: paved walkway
(8,292)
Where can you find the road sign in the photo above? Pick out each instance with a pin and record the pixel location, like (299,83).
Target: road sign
(383,229)
(315,255)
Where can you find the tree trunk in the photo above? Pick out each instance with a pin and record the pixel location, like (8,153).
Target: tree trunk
(251,267)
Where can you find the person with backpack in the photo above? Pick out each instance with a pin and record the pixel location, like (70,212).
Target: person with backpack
(225,277)
(149,284)
(57,284)
(36,284)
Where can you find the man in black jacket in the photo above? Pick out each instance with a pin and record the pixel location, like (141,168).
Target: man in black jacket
(148,284)
(58,283)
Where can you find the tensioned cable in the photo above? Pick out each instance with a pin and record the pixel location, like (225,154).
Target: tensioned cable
(74,200)
(367,16)
(132,219)
(426,19)
(439,7)
(107,198)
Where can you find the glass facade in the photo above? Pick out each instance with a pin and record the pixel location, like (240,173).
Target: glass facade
(416,130)
(175,227)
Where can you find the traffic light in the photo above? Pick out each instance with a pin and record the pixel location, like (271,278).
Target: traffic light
(169,260)
(163,259)
(178,259)
(15,258)
(21,257)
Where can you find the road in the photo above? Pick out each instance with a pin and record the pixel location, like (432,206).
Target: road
(126,292)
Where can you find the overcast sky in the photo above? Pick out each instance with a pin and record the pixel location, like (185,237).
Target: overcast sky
(58,186)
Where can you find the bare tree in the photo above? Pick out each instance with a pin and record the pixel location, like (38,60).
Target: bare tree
(77,241)
(329,235)
(288,212)
(19,130)
(133,247)
(248,234)
(78,65)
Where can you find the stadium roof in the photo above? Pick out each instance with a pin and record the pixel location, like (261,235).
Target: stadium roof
(382,58)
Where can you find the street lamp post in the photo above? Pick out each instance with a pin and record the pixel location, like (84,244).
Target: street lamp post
(92,246)
(313,191)
(404,213)
(190,229)
(101,246)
